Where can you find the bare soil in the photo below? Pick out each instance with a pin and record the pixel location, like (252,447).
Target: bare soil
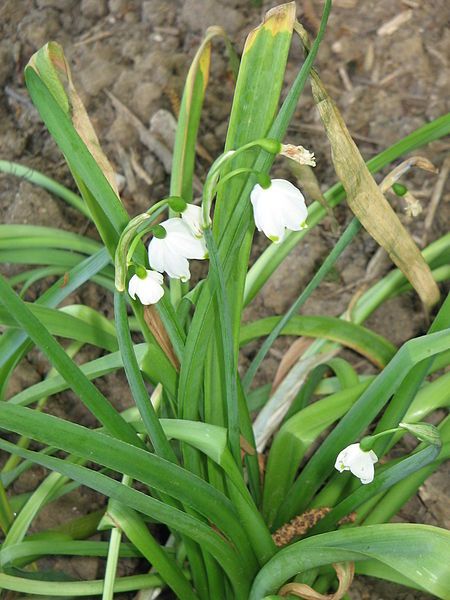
(387,79)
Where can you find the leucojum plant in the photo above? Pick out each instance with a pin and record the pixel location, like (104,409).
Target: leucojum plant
(181,469)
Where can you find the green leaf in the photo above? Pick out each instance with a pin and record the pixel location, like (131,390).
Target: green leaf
(139,464)
(360,339)
(63,113)
(68,589)
(420,553)
(46,183)
(134,527)
(162,372)
(88,393)
(346,238)
(358,418)
(79,323)
(293,440)
(174,518)
(138,390)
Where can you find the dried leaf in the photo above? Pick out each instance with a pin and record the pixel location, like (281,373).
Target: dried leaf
(345,573)
(368,203)
(51,65)
(157,328)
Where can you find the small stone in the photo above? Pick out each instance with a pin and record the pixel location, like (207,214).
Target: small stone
(98,75)
(6,63)
(121,132)
(93,9)
(117,7)
(62,5)
(143,98)
(199,15)
(158,12)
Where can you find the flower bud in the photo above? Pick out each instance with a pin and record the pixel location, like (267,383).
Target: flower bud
(425,432)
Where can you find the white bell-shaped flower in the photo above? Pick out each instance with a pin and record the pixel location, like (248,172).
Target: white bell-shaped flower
(192,216)
(148,289)
(358,461)
(278,207)
(171,253)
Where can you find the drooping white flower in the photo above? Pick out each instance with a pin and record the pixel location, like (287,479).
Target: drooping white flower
(148,289)
(192,216)
(358,461)
(279,207)
(171,253)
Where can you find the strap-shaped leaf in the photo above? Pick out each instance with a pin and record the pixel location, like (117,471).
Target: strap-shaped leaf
(420,553)
(139,464)
(49,82)
(173,517)
(376,348)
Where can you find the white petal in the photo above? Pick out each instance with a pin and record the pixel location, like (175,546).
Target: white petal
(177,266)
(373,456)
(182,240)
(278,207)
(267,218)
(294,212)
(156,251)
(192,216)
(149,290)
(284,187)
(132,286)
(359,462)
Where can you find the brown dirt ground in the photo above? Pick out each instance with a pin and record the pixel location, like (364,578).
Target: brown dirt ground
(385,84)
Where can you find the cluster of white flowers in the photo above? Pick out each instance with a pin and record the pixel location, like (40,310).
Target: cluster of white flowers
(277,207)
(170,254)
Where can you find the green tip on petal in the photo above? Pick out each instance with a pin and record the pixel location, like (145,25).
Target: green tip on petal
(274,238)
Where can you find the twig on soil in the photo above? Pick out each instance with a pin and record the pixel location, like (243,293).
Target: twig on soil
(125,163)
(345,78)
(148,139)
(392,25)
(139,169)
(435,199)
(96,37)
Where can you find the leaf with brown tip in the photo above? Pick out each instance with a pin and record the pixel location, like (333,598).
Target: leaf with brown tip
(367,201)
